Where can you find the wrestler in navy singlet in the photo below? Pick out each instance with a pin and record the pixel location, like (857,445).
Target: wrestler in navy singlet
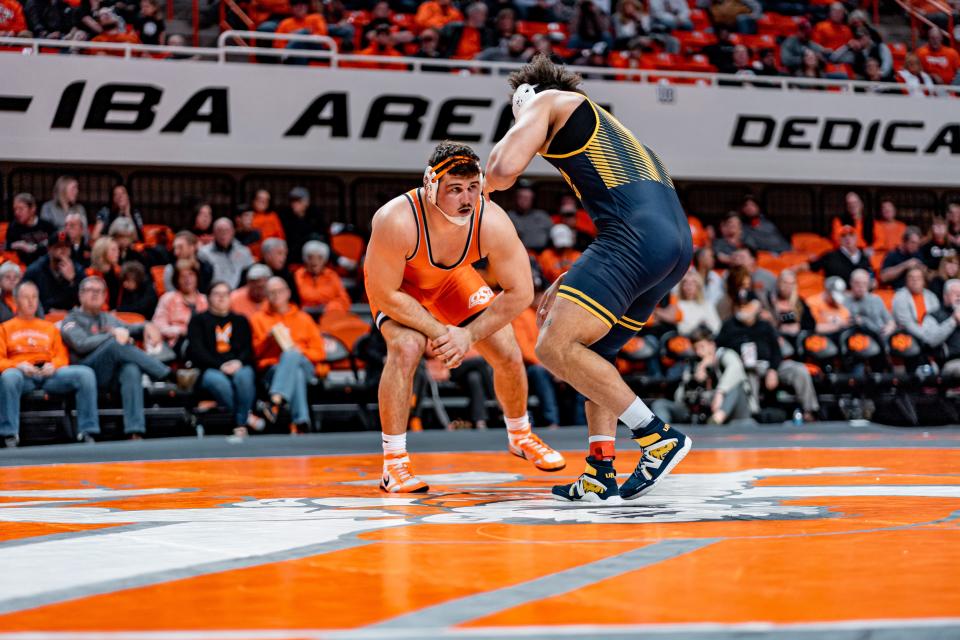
(643,246)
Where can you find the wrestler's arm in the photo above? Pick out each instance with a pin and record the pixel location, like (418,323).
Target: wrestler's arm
(510,265)
(514,152)
(392,240)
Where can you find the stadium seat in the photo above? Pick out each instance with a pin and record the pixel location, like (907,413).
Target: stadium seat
(792,259)
(694,41)
(809,283)
(129,317)
(348,245)
(887,296)
(156,272)
(700,19)
(876,260)
(153,234)
(770,262)
(811,244)
(3,232)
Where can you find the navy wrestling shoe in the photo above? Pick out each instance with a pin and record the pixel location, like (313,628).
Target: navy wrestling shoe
(663,449)
(597,483)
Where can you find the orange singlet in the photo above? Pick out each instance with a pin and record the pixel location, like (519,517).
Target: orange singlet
(454,293)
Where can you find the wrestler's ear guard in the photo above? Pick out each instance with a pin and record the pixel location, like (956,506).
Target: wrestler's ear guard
(523,93)
(432,175)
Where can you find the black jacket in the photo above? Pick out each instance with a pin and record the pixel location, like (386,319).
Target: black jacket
(235,338)
(55,292)
(734,334)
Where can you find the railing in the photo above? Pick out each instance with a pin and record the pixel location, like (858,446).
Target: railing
(916,16)
(244,53)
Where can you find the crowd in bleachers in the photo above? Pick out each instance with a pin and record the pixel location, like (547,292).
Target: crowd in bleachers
(250,312)
(748,38)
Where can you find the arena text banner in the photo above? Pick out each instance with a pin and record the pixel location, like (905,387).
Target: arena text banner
(84,109)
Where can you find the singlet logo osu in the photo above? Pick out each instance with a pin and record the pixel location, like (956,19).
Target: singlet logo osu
(482,296)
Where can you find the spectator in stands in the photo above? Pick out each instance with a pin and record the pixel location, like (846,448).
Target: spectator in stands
(948,269)
(670,15)
(953,222)
(844,261)
(32,356)
(66,190)
(938,246)
(381,45)
(763,281)
(275,256)
(436,14)
(137,294)
(227,256)
(852,216)
(737,15)
(767,66)
(380,16)
(737,283)
(49,19)
(249,298)
(859,49)
(533,225)
(177,40)
(186,246)
(339,24)
(589,25)
(558,258)
(543,46)
(704,263)
(86,25)
(319,287)
(900,260)
(10,277)
(178,305)
(113,29)
(740,65)
(513,49)
(12,21)
(887,230)
(828,308)
(266,221)
(289,350)
(873,73)
(119,207)
(833,32)
(75,228)
(715,381)
(301,222)
(913,306)
(867,309)
(105,264)
(916,81)
(469,38)
(100,341)
(631,21)
(302,21)
(220,344)
(791,50)
(429,49)
(28,235)
(124,232)
(758,231)
(202,222)
(505,23)
(149,25)
(942,330)
(695,309)
(56,275)
(731,238)
(941,62)
(811,65)
(572,215)
(759,347)
(788,312)
(246,234)
(720,53)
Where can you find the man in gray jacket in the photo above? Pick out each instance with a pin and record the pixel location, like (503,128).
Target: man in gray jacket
(227,256)
(914,309)
(948,316)
(867,309)
(99,340)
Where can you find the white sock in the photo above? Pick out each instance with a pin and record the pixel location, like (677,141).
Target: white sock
(517,424)
(593,439)
(394,444)
(637,415)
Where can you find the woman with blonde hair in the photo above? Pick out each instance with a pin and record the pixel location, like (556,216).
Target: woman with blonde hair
(695,309)
(105,263)
(66,190)
(788,312)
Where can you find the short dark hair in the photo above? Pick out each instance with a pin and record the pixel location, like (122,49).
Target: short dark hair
(133,269)
(544,73)
(700,334)
(449,149)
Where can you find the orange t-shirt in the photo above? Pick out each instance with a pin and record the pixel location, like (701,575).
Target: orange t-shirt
(942,64)
(11,16)
(555,262)
(374,50)
(470,44)
(825,313)
(241,304)
(303,330)
(526,331)
(325,289)
(269,226)
(831,35)
(920,305)
(313,24)
(432,14)
(33,340)
(262,10)
(887,235)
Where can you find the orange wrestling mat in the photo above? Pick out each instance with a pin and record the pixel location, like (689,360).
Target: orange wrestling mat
(779,542)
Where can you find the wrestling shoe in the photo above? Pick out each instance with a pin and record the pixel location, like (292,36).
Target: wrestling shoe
(532,448)
(597,483)
(398,478)
(663,449)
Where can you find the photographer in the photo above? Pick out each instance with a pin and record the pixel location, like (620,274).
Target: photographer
(714,386)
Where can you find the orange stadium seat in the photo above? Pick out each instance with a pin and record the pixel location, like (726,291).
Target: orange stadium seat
(811,244)
(348,245)
(699,19)
(55,316)
(129,317)
(156,273)
(694,41)
(770,262)
(809,283)
(3,232)
(152,233)
(887,296)
(791,259)
(876,260)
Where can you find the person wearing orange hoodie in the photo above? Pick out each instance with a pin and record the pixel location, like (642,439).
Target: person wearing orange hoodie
(437,14)
(320,287)
(288,349)
(33,356)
